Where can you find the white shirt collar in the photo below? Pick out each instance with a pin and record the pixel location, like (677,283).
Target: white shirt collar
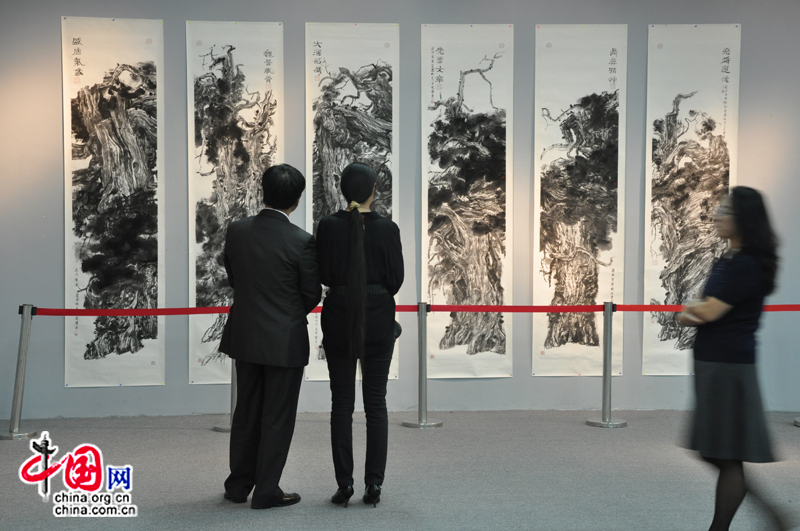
(276,210)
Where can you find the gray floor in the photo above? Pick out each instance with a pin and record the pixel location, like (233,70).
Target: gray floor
(537,470)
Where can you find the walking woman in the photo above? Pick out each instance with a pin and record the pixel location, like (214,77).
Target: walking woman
(361,261)
(729,425)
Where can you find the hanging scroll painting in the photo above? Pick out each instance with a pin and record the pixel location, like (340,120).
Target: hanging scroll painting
(352,115)
(692,136)
(467,186)
(112,73)
(579,199)
(235,116)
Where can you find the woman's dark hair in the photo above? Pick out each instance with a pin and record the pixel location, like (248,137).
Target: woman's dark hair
(357,183)
(755,231)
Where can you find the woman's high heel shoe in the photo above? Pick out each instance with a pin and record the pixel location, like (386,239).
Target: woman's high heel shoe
(342,496)
(372,495)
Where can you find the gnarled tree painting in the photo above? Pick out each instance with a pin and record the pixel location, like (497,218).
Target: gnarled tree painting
(235,141)
(352,123)
(579,194)
(467,191)
(114,206)
(113,199)
(234,95)
(467,213)
(690,173)
(352,115)
(578,212)
(692,152)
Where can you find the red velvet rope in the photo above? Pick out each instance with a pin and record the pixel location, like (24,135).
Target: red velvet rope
(130,312)
(678,307)
(516,309)
(782,308)
(649,307)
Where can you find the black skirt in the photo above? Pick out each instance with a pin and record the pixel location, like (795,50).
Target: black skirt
(729,420)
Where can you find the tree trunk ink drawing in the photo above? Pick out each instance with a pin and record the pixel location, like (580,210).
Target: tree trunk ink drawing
(467,214)
(114,205)
(352,128)
(579,212)
(690,175)
(235,139)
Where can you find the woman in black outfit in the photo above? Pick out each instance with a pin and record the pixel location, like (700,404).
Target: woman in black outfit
(729,425)
(361,260)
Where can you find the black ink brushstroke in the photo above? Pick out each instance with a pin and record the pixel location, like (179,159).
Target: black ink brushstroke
(579,212)
(689,178)
(239,149)
(347,129)
(467,216)
(114,204)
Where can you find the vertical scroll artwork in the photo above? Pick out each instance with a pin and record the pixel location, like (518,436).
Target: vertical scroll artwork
(114,198)
(692,132)
(235,115)
(467,186)
(352,111)
(579,201)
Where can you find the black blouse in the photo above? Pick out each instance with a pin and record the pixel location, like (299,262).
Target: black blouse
(738,281)
(384,260)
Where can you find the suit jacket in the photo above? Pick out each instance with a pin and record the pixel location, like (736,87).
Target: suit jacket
(272,267)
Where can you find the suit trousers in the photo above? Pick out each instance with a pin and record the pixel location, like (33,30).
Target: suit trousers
(374,373)
(261,430)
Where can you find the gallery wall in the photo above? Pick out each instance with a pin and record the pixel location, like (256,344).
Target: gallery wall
(32,200)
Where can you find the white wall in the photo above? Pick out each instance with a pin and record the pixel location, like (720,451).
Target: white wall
(32,204)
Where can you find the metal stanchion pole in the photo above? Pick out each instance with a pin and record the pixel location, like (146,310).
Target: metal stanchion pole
(423,421)
(227,427)
(606,421)
(19,384)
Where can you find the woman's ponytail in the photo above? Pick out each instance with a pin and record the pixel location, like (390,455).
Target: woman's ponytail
(356,287)
(357,183)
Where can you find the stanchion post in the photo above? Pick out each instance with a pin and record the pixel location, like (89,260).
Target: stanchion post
(19,384)
(423,421)
(605,421)
(797,421)
(227,427)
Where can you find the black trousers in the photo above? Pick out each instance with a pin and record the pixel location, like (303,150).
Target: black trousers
(374,373)
(262,429)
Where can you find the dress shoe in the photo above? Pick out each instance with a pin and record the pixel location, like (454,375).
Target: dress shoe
(342,496)
(235,499)
(372,495)
(287,499)
(282,499)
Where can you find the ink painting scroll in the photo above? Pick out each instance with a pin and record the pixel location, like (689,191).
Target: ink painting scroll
(579,200)
(112,72)
(352,115)
(235,116)
(692,137)
(467,186)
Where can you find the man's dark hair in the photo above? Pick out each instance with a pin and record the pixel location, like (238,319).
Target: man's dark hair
(282,186)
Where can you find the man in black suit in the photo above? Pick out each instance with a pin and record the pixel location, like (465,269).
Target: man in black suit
(272,268)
